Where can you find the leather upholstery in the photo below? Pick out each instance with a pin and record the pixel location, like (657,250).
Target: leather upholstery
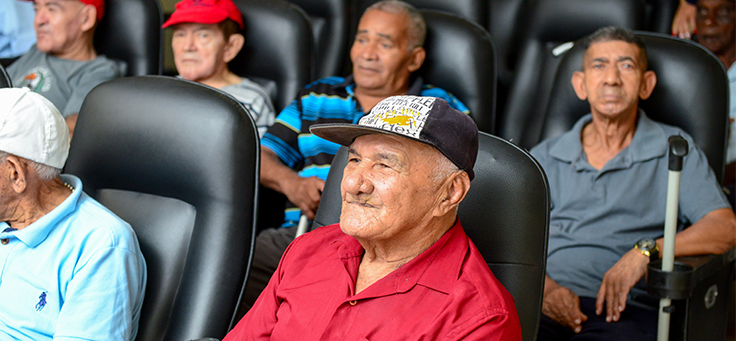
(474,10)
(130,31)
(506,22)
(691,93)
(5,81)
(507,220)
(461,59)
(179,161)
(660,14)
(331,31)
(553,23)
(278,47)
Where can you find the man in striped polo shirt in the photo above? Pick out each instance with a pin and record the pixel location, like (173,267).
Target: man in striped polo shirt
(386,51)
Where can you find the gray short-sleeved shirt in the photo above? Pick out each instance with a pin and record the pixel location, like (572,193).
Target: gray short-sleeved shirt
(597,216)
(64,82)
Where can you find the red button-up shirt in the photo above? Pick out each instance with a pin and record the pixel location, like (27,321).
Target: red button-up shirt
(446,293)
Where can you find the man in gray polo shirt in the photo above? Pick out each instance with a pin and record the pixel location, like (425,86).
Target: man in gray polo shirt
(608,183)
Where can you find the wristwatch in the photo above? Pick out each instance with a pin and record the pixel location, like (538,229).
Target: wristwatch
(648,247)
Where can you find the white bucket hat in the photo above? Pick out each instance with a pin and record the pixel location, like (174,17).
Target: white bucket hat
(31,127)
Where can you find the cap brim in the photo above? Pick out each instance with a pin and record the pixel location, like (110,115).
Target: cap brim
(345,133)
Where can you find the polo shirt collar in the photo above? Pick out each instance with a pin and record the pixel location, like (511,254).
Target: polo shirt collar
(415,89)
(649,142)
(37,232)
(444,257)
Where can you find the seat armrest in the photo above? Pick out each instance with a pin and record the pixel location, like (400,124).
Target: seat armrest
(687,273)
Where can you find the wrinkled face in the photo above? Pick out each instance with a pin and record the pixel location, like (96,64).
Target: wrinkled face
(198,50)
(612,77)
(380,53)
(715,22)
(58,25)
(388,187)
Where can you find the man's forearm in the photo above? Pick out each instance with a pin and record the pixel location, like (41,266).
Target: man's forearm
(274,174)
(715,233)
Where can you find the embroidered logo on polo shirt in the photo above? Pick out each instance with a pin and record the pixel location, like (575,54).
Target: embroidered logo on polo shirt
(37,80)
(41,301)
(404,115)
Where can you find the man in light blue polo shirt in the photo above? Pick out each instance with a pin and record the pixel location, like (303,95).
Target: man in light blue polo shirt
(608,184)
(69,268)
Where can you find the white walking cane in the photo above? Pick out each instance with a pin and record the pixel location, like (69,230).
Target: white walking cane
(678,150)
(302,227)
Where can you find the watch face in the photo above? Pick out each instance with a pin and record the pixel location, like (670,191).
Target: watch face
(645,244)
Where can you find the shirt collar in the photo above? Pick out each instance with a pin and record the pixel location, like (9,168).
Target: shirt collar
(649,142)
(415,89)
(37,232)
(444,257)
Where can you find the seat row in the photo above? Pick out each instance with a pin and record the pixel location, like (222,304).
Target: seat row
(180,162)
(496,56)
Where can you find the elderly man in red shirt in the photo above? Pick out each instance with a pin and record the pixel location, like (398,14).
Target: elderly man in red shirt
(398,266)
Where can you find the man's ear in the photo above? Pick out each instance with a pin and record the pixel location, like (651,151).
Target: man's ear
(15,171)
(649,81)
(578,83)
(454,190)
(417,58)
(88,17)
(234,45)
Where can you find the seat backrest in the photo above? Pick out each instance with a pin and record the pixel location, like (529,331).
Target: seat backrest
(505,214)
(179,161)
(461,59)
(130,31)
(691,93)
(506,22)
(331,31)
(553,23)
(5,81)
(660,14)
(278,47)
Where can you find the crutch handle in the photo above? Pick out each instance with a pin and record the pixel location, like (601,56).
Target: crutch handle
(678,151)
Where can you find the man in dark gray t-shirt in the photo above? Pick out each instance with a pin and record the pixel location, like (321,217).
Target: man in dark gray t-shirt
(63,65)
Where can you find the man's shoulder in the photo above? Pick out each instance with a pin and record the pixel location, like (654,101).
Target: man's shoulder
(328,84)
(433,91)
(101,225)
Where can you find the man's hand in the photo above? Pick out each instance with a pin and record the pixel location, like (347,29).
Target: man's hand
(683,25)
(562,305)
(302,192)
(305,194)
(617,282)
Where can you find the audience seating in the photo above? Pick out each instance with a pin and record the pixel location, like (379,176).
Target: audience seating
(461,59)
(331,31)
(179,161)
(551,24)
(691,93)
(130,31)
(278,48)
(507,220)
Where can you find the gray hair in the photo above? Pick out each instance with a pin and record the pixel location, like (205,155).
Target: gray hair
(417,26)
(612,33)
(45,172)
(442,167)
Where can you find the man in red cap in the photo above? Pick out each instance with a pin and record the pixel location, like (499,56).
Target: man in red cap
(205,39)
(63,65)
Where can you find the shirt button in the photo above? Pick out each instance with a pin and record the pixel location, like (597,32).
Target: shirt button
(4,241)
(353,302)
